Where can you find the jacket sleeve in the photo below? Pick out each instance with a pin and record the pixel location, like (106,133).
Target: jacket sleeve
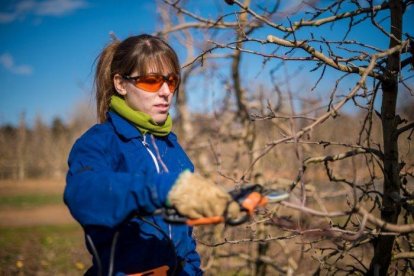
(192,258)
(98,195)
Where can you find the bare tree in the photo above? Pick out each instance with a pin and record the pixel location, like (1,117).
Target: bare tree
(373,176)
(21,148)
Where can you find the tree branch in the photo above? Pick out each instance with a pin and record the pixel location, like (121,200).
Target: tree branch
(318,22)
(342,156)
(403,255)
(320,56)
(407,228)
(405,128)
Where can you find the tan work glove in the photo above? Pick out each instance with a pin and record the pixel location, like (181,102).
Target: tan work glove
(195,197)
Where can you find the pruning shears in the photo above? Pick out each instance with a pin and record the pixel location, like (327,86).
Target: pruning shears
(248,197)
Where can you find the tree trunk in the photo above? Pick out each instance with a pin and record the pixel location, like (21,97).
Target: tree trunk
(20,148)
(391,189)
(185,130)
(261,266)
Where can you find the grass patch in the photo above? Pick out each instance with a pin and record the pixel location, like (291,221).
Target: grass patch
(43,250)
(29,200)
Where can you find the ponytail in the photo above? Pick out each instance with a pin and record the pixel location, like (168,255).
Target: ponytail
(104,80)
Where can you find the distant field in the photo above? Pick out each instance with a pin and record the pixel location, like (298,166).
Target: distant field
(28,201)
(37,234)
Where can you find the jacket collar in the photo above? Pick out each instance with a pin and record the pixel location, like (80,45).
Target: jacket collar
(127,130)
(123,127)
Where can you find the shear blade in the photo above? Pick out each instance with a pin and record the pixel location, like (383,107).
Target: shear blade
(277,196)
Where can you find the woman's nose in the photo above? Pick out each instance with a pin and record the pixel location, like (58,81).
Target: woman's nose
(164,90)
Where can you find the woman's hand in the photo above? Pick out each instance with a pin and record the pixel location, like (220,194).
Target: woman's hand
(195,197)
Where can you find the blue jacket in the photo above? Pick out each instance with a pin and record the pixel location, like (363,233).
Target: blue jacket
(117,179)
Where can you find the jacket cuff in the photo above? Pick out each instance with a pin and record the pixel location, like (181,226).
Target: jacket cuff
(167,181)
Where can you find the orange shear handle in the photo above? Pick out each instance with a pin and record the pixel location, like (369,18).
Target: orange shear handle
(159,271)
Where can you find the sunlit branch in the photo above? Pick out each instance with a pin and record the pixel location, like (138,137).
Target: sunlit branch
(349,42)
(201,56)
(403,255)
(378,26)
(407,228)
(342,156)
(320,56)
(201,22)
(405,128)
(226,241)
(313,23)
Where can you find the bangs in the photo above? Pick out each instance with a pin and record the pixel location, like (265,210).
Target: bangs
(144,54)
(162,63)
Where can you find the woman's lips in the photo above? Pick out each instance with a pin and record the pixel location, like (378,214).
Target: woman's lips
(162,107)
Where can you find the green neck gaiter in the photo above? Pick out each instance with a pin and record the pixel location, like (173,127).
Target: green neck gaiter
(141,120)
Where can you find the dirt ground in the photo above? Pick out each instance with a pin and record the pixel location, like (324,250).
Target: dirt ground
(35,186)
(46,215)
(51,214)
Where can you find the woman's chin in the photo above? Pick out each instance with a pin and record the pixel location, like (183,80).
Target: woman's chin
(160,118)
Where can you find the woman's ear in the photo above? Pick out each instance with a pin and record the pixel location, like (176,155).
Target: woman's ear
(119,84)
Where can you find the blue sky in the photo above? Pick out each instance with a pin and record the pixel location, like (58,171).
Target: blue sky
(48,47)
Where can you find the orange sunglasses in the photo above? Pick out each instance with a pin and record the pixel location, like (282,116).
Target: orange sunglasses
(153,82)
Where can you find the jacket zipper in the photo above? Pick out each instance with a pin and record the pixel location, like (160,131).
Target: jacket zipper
(144,142)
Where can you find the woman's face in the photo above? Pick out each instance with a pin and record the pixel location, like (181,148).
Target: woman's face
(156,104)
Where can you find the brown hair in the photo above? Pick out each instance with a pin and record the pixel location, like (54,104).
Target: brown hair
(135,54)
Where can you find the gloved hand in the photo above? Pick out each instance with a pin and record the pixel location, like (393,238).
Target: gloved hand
(195,197)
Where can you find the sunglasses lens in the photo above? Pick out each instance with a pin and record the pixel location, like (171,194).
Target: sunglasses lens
(153,83)
(150,83)
(172,82)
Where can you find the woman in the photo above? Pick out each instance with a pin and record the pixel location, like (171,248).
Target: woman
(124,169)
